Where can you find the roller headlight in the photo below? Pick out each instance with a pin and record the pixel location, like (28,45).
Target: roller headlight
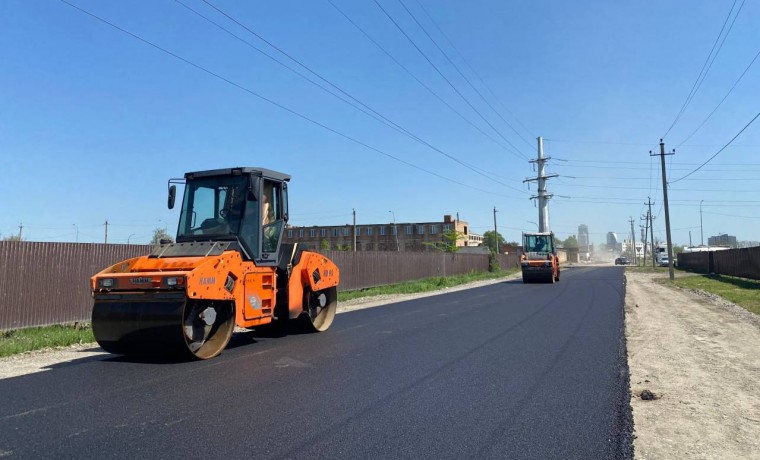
(174,281)
(106,283)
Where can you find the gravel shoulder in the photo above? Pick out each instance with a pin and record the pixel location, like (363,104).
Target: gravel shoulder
(698,355)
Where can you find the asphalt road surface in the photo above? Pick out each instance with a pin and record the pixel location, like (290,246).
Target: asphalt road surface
(502,371)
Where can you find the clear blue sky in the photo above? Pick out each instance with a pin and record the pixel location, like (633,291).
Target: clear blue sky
(93,121)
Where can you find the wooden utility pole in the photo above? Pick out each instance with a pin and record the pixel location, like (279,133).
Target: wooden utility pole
(106,225)
(665,203)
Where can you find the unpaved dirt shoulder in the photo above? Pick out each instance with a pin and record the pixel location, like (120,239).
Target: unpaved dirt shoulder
(701,358)
(37,361)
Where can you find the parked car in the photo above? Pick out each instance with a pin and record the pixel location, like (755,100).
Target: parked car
(621,261)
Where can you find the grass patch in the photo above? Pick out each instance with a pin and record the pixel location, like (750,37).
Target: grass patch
(646,269)
(38,338)
(741,291)
(423,285)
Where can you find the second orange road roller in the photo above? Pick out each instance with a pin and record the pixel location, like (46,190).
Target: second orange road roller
(539,260)
(227,268)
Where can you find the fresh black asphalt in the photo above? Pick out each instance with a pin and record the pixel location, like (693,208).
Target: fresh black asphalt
(505,371)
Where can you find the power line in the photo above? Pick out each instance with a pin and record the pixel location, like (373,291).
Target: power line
(278,105)
(635,144)
(565,176)
(743,170)
(673,189)
(718,152)
(457,67)
(732,215)
(374,114)
(421,83)
(519,153)
(721,101)
(646,163)
(706,65)
(474,71)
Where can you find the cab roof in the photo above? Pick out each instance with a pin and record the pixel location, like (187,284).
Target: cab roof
(239,171)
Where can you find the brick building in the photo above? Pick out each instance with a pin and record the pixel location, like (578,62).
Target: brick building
(401,236)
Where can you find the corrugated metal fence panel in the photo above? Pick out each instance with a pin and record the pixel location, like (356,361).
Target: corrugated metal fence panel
(742,262)
(365,269)
(508,261)
(48,283)
(696,261)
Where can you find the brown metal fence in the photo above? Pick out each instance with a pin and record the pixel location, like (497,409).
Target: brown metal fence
(741,262)
(360,270)
(48,283)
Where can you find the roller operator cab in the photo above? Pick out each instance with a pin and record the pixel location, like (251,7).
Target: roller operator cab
(227,268)
(539,261)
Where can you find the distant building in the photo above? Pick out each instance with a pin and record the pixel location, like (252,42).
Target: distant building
(722,240)
(399,236)
(612,240)
(583,242)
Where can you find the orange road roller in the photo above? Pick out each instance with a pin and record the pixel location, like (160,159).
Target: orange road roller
(227,268)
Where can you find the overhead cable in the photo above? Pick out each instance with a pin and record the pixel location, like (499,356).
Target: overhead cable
(278,105)
(457,67)
(369,110)
(718,152)
(517,152)
(706,66)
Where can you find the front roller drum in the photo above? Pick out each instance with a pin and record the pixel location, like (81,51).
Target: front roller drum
(179,328)
(319,309)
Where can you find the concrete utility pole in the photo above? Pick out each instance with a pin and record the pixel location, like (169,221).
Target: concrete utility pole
(77,229)
(354,212)
(633,236)
(495,233)
(106,225)
(667,212)
(543,197)
(20,228)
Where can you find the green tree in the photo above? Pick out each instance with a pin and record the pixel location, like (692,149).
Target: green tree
(490,238)
(324,245)
(448,242)
(570,242)
(160,234)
